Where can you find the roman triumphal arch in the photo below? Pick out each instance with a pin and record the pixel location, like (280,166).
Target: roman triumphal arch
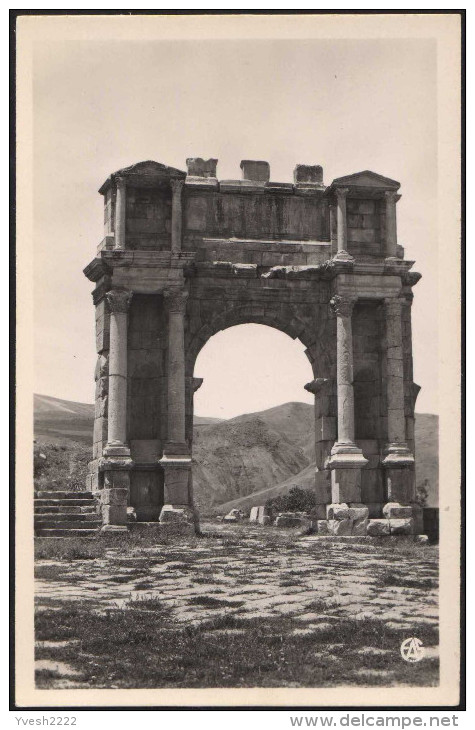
(184,256)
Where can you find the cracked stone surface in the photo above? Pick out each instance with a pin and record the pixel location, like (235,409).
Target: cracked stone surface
(255,575)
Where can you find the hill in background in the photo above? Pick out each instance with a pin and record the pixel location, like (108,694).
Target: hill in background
(243,461)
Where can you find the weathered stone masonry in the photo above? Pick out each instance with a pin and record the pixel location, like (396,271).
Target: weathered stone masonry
(184,256)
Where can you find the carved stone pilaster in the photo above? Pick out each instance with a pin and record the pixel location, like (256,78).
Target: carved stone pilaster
(120,210)
(399,461)
(391,227)
(346,458)
(177,189)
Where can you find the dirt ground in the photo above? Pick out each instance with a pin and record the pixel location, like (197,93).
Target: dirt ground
(288,611)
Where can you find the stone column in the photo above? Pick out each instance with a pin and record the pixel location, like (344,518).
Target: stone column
(176,304)
(177,188)
(342,253)
(399,461)
(176,460)
(118,301)
(391,226)
(120,206)
(116,462)
(346,458)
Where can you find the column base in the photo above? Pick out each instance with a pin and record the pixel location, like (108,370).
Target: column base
(116,448)
(343,255)
(398,455)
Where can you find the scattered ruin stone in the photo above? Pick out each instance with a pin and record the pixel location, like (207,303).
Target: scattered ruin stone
(253,517)
(340,527)
(378,527)
(393,511)
(401,527)
(233,516)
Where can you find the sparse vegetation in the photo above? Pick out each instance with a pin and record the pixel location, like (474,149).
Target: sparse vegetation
(266,616)
(60,466)
(139,647)
(297,500)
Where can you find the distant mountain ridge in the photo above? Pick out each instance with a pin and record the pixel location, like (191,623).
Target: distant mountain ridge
(242,461)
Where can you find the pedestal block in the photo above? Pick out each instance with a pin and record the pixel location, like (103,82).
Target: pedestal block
(346,485)
(114,497)
(178,508)
(400,485)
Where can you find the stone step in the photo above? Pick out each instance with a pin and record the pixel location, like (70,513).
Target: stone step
(66,508)
(41,502)
(65,517)
(55,532)
(66,525)
(63,495)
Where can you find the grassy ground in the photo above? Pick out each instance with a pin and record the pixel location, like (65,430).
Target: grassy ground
(238,607)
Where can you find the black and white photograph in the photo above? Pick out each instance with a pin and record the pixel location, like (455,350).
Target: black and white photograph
(238,375)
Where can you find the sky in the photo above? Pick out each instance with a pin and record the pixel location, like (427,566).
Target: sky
(348,105)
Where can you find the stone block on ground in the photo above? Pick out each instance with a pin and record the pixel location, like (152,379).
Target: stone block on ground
(421,539)
(358,512)
(173,514)
(233,516)
(322,527)
(360,527)
(401,527)
(396,511)
(340,527)
(263,516)
(378,528)
(254,514)
(113,514)
(337,512)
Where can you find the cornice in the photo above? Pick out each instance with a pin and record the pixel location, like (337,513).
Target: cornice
(96,269)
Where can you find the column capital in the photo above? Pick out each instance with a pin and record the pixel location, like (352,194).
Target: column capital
(342,305)
(119,300)
(120,181)
(177,185)
(391,196)
(341,193)
(175,299)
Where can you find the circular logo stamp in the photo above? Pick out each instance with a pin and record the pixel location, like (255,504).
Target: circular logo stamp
(412,650)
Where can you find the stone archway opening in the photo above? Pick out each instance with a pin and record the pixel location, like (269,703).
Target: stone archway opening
(248,368)
(251,377)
